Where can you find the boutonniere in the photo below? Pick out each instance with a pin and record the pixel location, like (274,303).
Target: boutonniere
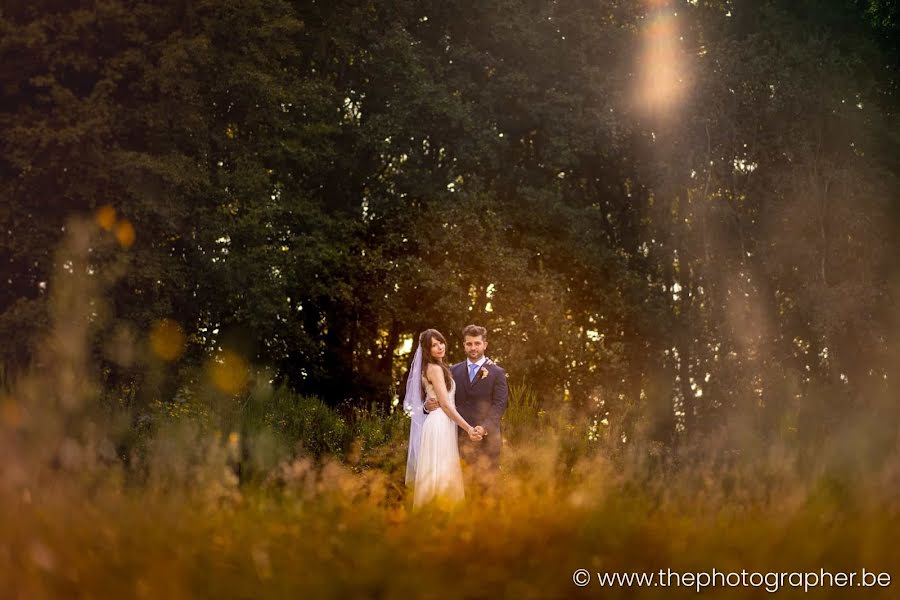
(482,373)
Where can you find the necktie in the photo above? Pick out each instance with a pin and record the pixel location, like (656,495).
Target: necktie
(472,369)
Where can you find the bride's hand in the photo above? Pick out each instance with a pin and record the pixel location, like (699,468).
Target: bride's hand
(474,435)
(480,430)
(432,404)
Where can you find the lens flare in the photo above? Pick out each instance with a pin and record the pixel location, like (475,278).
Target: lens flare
(662,66)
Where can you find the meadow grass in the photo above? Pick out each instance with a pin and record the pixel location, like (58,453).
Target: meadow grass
(267,494)
(337,526)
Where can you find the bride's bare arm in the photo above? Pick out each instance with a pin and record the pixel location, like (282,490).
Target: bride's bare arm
(436,376)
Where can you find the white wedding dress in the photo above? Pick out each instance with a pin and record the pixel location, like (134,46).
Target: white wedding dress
(438,471)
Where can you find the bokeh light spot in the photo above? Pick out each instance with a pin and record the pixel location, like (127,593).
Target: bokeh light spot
(105,217)
(167,339)
(228,372)
(125,233)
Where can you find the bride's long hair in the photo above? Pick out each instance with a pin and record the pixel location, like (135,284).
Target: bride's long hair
(426,338)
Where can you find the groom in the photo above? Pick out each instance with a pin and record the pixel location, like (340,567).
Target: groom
(481,397)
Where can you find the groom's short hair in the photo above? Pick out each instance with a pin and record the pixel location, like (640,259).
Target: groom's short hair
(475,331)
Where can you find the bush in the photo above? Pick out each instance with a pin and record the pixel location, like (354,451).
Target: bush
(306,422)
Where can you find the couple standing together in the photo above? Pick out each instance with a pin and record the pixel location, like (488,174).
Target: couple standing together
(468,398)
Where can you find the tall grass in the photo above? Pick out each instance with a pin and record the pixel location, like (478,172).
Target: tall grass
(522,415)
(322,529)
(268,494)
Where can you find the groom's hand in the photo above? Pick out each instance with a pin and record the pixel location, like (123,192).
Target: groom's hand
(477,433)
(431,404)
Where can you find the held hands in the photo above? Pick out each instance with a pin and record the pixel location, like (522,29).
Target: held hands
(477,433)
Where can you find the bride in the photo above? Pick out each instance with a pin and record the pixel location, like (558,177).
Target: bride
(432,465)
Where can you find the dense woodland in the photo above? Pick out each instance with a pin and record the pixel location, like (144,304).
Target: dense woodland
(672,215)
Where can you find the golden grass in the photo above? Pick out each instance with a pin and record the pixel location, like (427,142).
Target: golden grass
(324,530)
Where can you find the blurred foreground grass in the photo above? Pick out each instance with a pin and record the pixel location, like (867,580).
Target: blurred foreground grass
(326,528)
(273,495)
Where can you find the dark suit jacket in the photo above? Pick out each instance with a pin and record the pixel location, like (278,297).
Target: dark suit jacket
(482,402)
